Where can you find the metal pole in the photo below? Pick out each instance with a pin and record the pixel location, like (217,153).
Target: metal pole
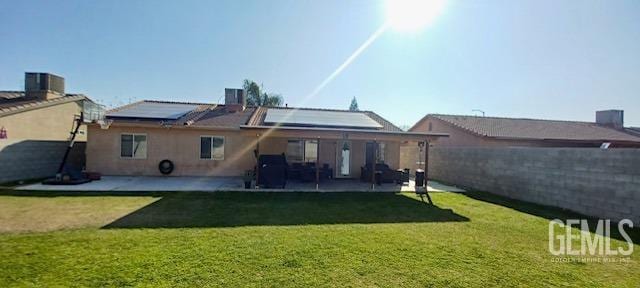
(258,162)
(317,163)
(373,164)
(426,162)
(78,121)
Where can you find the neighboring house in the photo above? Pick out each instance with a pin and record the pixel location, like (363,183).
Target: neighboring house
(35,125)
(508,132)
(480,131)
(224,140)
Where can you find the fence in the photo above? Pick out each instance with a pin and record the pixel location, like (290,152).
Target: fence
(595,182)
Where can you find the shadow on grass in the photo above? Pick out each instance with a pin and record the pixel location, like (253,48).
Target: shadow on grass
(192,209)
(551,213)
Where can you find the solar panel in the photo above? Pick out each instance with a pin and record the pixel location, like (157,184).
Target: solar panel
(154,110)
(295,117)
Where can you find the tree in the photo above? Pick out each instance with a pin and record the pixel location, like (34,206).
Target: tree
(354,105)
(257,97)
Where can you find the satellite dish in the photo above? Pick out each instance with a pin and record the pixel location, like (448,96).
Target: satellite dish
(605,145)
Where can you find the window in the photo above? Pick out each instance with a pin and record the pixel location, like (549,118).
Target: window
(311,151)
(295,151)
(212,147)
(302,151)
(430,126)
(133,146)
(380,152)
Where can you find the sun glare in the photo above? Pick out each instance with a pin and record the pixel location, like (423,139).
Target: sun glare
(412,15)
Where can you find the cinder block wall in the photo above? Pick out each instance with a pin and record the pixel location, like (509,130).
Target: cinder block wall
(31,159)
(591,181)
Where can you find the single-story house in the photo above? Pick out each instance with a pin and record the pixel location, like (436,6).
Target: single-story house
(203,139)
(35,125)
(481,131)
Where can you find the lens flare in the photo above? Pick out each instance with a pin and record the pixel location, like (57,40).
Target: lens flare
(412,15)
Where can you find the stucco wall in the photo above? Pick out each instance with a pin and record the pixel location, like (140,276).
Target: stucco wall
(36,141)
(182,146)
(51,123)
(591,181)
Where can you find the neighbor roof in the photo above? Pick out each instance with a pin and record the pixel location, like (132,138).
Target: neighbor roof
(12,102)
(215,115)
(536,129)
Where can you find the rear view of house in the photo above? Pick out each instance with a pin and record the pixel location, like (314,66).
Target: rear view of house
(201,139)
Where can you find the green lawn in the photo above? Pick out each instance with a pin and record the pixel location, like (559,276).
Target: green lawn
(286,239)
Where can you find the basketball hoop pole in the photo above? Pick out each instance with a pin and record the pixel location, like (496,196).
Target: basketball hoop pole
(78,121)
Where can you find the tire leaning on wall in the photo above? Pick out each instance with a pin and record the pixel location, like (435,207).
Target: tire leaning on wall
(166,167)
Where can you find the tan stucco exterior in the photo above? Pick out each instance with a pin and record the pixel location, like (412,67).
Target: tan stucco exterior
(37,140)
(51,123)
(182,146)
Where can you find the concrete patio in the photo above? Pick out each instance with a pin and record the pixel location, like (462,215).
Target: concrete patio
(212,184)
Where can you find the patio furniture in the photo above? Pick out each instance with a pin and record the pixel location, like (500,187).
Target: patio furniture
(402,176)
(378,177)
(307,172)
(273,171)
(388,175)
(295,171)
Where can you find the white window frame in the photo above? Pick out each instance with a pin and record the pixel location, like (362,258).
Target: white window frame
(133,142)
(224,147)
(381,151)
(303,143)
(304,150)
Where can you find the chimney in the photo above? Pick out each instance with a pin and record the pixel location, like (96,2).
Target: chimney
(234,99)
(43,86)
(610,118)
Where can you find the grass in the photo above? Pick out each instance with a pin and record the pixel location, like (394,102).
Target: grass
(286,239)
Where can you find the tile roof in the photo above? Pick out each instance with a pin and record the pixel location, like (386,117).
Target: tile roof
(520,128)
(633,130)
(204,115)
(12,102)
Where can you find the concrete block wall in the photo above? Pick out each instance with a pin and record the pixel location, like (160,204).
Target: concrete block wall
(591,181)
(31,159)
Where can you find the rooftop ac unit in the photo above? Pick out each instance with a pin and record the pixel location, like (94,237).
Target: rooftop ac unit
(233,96)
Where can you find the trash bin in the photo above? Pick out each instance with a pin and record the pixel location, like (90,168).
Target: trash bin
(419,178)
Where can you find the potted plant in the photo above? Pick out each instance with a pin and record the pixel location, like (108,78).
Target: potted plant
(247,178)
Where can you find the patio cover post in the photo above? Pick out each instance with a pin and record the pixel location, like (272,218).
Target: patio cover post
(317,163)
(373,164)
(258,162)
(426,162)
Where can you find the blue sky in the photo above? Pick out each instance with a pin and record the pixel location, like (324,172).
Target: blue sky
(533,59)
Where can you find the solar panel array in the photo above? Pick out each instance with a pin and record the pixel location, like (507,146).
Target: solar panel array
(320,118)
(153,110)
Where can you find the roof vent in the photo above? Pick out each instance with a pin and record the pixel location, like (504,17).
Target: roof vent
(234,99)
(610,118)
(43,85)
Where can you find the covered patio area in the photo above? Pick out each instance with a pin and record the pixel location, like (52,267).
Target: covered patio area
(215,184)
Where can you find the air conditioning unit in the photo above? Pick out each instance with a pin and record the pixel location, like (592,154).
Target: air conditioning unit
(233,96)
(36,82)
